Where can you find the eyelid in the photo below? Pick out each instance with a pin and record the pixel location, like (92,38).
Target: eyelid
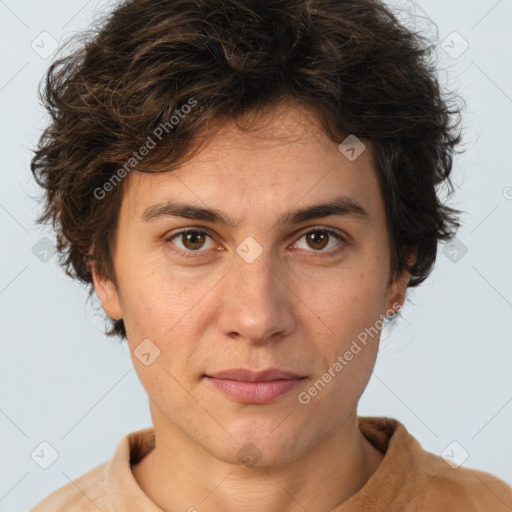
(341,237)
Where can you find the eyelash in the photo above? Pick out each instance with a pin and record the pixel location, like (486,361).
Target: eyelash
(193,254)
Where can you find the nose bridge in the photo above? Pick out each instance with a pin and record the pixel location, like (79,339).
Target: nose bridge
(255,301)
(257,274)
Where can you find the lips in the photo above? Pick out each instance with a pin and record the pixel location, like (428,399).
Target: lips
(258,388)
(250,376)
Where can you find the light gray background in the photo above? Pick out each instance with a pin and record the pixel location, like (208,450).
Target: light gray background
(445,371)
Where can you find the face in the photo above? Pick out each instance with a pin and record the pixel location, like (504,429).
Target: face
(258,287)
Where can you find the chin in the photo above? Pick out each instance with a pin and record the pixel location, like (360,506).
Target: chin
(261,447)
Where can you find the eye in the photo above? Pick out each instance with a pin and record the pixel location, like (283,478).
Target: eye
(319,238)
(192,240)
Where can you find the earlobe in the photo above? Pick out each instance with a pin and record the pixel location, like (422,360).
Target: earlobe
(398,288)
(397,291)
(107,293)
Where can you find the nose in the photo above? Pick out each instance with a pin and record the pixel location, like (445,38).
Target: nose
(256,301)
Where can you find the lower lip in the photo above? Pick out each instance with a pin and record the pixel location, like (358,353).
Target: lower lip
(260,392)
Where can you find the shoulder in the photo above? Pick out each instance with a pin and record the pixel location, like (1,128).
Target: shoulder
(414,479)
(85,493)
(107,487)
(463,488)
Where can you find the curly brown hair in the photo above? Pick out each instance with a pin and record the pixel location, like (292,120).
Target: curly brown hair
(351,61)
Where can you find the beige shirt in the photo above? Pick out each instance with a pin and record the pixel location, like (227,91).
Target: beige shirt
(408,479)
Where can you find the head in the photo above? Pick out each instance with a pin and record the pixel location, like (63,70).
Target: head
(227,119)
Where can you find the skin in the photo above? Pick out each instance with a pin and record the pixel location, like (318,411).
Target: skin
(297,306)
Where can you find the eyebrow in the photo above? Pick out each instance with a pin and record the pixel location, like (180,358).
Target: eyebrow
(340,206)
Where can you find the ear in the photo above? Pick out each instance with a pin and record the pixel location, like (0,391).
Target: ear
(107,293)
(398,287)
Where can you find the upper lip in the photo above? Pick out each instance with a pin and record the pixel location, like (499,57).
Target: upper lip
(249,375)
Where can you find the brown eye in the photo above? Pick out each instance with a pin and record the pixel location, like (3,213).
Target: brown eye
(318,239)
(191,240)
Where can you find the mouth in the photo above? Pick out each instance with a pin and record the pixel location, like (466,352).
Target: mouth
(248,387)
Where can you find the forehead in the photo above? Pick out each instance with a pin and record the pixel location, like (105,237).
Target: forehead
(285,159)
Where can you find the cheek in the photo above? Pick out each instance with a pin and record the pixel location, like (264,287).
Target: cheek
(153,299)
(167,312)
(351,307)
(356,297)
(350,351)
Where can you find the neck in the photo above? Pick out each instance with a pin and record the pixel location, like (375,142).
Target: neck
(180,475)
